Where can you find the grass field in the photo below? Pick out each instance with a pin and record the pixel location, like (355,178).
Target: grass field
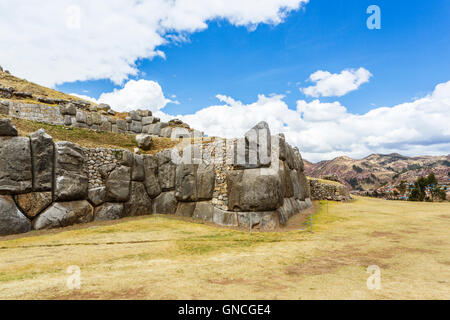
(159,257)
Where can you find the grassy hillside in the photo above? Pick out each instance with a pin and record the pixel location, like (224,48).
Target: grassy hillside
(378,170)
(158,257)
(89,138)
(8,80)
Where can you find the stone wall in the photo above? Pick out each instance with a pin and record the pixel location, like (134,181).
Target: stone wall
(328,190)
(45,185)
(81,115)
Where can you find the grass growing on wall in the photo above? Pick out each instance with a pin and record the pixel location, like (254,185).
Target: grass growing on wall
(89,138)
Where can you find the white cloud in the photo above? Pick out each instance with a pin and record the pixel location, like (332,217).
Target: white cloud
(102,39)
(326,130)
(141,94)
(336,84)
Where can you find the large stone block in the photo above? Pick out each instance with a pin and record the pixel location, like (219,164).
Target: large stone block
(166,170)
(118,184)
(204,210)
(109,211)
(151,180)
(42,150)
(33,203)
(7,129)
(68,109)
(225,218)
(63,214)
(304,187)
(12,221)
(185,209)
(137,173)
(256,151)
(15,165)
(258,220)
(186,182)
(165,203)
(71,181)
(140,203)
(206,177)
(251,190)
(97,196)
(136,126)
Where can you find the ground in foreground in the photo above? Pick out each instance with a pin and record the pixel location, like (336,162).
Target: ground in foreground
(157,257)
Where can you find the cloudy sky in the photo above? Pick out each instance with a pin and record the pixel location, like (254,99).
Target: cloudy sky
(312,69)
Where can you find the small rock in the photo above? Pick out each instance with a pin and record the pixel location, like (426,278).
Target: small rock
(144,141)
(7,128)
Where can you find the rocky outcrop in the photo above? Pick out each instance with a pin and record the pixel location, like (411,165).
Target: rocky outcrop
(63,214)
(12,221)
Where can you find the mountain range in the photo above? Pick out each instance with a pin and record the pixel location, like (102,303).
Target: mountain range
(379,170)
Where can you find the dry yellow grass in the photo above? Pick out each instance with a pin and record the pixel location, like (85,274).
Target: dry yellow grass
(90,138)
(8,80)
(164,258)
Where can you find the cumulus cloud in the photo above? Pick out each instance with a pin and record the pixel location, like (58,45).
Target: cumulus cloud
(336,84)
(141,94)
(102,39)
(327,130)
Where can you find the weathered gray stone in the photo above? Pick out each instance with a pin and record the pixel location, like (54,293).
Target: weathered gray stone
(97,196)
(15,165)
(140,203)
(186,184)
(109,211)
(185,209)
(144,141)
(63,214)
(151,180)
(125,158)
(81,117)
(147,120)
(134,115)
(118,184)
(281,146)
(136,126)
(259,220)
(165,203)
(43,151)
(295,184)
(31,204)
(68,109)
(4,107)
(105,126)
(137,173)
(104,106)
(67,120)
(204,210)
(166,170)
(257,148)
(156,128)
(89,120)
(225,218)
(71,181)
(304,187)
(166,132)
(250,190)
(7,128)
(205,181)
(121,125)
(298,161)
(12,221)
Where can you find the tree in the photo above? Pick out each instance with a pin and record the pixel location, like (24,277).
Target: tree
(402,187)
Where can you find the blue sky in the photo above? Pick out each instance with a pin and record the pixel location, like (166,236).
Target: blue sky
(310,68)
(407,57)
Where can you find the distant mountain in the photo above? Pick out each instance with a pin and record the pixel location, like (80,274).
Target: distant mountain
(379,170)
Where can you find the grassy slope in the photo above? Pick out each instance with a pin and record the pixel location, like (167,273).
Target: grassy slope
(89,138)
(8,80)
(163,258)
